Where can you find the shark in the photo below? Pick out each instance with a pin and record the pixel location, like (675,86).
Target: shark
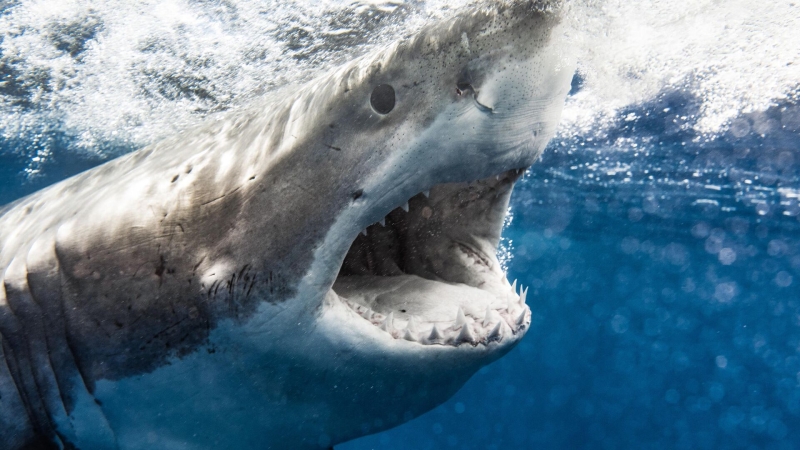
(294,274)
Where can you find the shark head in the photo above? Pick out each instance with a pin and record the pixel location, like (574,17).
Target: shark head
(314,268)
(420,144)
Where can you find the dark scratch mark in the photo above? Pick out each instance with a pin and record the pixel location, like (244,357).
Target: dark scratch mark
(213,288)
(252,283)
(270,283)
(213,200)
(231,284)
(194,269)
(220,197)
(166,330)
(161,266)
(133,322)
(332,147)
(100,325)
(137,270)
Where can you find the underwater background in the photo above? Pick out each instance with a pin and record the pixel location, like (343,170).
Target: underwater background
(660,232)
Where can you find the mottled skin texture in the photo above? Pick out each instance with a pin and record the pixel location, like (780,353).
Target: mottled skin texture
(132,266)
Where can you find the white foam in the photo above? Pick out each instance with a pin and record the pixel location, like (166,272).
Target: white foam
(154,67)
(733,56)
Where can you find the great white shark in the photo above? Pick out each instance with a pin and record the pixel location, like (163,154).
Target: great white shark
(293,275)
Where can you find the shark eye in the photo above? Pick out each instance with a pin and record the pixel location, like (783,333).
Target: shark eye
(382,99)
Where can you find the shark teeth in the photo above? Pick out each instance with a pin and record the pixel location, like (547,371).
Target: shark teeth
(489,316)
(510,306)
(461,319)
(387,323)
(502,187)
(412,324)
(435,337)
(520,320)
(496,334)
(465,336)
(501,320)
(405,207)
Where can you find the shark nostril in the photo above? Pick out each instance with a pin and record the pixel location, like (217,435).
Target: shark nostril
(463,87)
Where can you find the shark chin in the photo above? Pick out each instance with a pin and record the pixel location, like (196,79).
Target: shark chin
(313,268)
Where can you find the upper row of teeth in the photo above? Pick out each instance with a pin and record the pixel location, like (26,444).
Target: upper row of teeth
(496,323)
(404,207)
(427,194)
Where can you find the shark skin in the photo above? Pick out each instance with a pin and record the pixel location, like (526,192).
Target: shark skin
(293,275)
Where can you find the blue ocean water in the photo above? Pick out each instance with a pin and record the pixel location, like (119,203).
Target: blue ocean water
(666,296)
(663,258)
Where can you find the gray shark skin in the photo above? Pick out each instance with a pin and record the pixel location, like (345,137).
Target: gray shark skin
(292,275)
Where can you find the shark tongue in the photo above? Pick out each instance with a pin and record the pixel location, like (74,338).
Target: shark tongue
(410,295)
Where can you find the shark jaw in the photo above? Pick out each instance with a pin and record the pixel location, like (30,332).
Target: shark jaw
(427,272)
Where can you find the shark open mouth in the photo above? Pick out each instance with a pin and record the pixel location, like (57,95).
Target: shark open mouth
(428,272)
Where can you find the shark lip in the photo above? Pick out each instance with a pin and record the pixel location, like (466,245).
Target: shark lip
(428,271)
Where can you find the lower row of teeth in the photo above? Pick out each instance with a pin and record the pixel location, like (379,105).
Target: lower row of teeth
(496,324)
